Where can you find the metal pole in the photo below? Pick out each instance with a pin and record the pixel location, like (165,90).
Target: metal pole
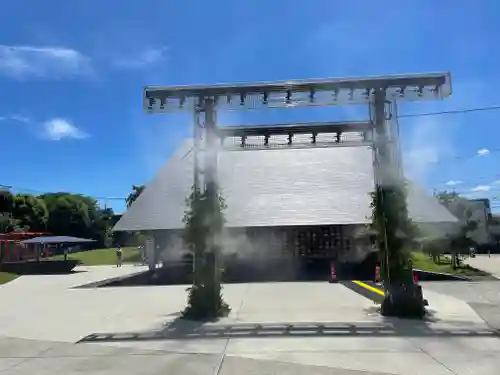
(381,170)
(394,123)
(198,133)
(382,139)
(211,161)
(211,153)
(197,148)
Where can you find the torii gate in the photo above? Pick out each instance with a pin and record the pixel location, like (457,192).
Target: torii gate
(379,93)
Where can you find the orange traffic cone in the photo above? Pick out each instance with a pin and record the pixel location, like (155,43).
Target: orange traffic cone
(377,273)
(333,274)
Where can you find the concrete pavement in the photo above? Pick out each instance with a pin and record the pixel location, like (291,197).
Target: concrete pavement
(490,264)
(273,328)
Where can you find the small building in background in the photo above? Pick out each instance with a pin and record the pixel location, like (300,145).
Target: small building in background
(495,229)
(480,210)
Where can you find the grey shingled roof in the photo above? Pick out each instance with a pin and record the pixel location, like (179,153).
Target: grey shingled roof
(309,186)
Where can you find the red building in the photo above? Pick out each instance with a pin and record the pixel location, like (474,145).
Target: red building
(11,249)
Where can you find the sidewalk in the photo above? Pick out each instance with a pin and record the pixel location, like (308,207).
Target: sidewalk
(274,328)
(485,263)
(81,275)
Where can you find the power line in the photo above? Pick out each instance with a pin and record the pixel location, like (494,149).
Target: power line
(408,115)
(457,158)
(451,112)
(456,111)
(492,181)
(466,157)
(469,192)
(28,190)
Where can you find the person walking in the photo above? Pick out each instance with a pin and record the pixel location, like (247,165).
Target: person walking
(67,250)
(118,256)
(142,251)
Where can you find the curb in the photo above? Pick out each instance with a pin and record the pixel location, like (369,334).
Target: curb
(101,283)
(438,276)
(367,289)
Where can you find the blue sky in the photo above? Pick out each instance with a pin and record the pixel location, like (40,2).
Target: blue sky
(72,73)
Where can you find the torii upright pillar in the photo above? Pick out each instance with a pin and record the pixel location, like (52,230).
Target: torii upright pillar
(205,175)
(402,296)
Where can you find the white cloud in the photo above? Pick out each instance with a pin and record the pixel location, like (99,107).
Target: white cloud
(53,62)
(145,58)
(483,152)
(20,118)
(17,118)
(57,129)
(481,188)
(453,183)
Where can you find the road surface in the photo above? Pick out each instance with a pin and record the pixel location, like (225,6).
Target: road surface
(50,327)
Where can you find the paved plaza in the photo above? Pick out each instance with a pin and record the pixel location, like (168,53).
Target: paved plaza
(490,264)
(49,327)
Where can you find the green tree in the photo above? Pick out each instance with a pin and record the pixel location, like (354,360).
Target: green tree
(447,198)
(69,216)
(134,194)
(396,232)
(204,220)
(396,235)
(30,211)
(8,223)
(73,215)
(102,224)
(58,213)
(133,238)
(79,216)
(6,201)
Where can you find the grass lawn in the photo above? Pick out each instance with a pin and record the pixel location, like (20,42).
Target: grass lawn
(100,257)
(424,262)
(6,277)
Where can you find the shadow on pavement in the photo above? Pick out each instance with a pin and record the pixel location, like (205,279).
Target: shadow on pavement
(181,329)
(41,267)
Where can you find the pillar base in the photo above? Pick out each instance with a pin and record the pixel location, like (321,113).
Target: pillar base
(404,301)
